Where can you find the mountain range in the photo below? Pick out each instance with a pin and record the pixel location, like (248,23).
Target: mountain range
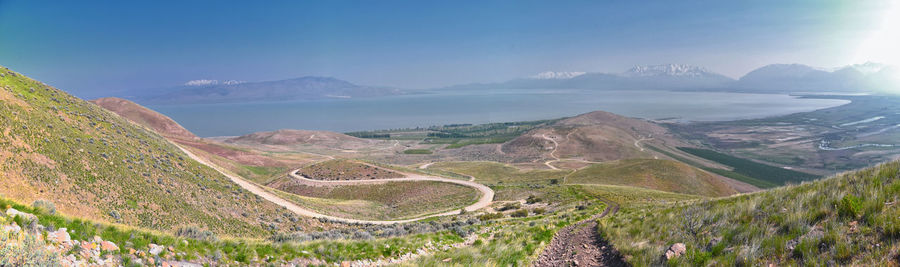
(303,88)
(774,78)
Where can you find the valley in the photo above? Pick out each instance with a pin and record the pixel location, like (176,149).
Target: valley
(458,194)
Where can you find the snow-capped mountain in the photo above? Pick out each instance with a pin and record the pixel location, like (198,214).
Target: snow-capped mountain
(551,75)
(668,70)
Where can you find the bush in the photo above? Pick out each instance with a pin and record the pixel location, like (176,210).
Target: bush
(533,199)
(850,206)
(45,206)
(520,213)
(510,206)
(20,249)
(490,216)
(538,211)
(195,233)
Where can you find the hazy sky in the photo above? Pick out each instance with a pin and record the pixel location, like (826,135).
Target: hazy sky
(91,47)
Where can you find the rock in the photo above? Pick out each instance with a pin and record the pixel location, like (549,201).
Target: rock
(11,212)
(11,228)
(108,246)
(61,236)
(675,250)
(156,249)
(446,260)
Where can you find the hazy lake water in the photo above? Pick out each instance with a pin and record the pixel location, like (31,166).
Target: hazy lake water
(342,115)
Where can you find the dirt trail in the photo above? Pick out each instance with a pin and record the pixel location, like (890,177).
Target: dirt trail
(581,245)
(487,195)
(555,146)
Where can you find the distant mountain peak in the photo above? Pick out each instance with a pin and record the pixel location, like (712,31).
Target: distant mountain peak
(557,75)
(205,82)
(680,70)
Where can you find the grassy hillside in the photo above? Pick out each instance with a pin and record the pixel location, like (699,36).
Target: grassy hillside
(95,164)
(663,175)
(159,123)
(850,219)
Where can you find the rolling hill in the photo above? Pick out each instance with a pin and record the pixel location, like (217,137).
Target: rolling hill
(157,122)
(95,164)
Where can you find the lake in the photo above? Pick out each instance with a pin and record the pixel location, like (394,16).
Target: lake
(439,108)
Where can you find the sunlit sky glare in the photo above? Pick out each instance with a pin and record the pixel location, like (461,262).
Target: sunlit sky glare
(91,47)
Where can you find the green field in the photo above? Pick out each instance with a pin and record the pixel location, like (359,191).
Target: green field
(458,135)
(768,173)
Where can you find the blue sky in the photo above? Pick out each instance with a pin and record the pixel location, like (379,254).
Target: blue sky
(92,47)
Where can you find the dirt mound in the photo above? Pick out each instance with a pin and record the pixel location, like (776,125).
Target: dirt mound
(341,169)
(146,117)
(288,137)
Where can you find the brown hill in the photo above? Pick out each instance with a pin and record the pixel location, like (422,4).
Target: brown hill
(288,137)
(595,136)
(658,174)
(159,123)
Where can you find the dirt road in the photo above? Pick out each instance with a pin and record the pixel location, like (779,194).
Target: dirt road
(487,195)
(581,245)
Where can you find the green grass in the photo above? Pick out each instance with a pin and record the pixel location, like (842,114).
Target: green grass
(664,175)
(850,219)
(417,151)
(231,250)
(726,173)
(768,173)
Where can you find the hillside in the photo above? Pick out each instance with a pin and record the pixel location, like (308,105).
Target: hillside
(594,136)
(850,219)
(662,175)
(95,164)
(157,122)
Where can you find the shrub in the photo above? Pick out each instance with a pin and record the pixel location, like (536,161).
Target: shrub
(533,199)
(510,206)
(20,249)
(45,206)
(195,233)
(850,206)
(490,216)
(539,210)
(520,213)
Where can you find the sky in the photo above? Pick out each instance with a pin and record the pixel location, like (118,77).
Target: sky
(92,48)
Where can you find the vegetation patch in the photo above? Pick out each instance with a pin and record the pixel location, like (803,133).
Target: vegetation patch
(768,173)
(344,169)
(417,151)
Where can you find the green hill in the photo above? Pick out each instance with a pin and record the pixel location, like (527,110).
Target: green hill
(94,164)
(658,174)
(849,219)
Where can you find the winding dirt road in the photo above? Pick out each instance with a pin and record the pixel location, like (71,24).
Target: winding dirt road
(487,195)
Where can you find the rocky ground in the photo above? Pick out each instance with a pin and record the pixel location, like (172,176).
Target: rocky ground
(47,246)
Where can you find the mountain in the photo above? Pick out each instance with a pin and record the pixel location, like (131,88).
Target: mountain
(92,163)
(867,77)
(157,122)
(652,77)
(304,88)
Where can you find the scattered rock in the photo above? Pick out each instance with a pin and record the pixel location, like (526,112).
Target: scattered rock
(675,250)
(108,246)
(11,212)
(156,249)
